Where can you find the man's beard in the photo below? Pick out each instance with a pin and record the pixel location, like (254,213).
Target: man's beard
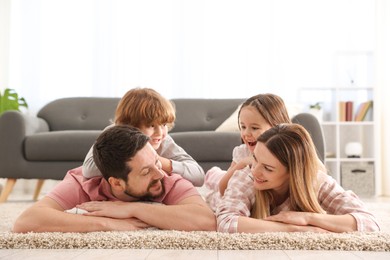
(146,196)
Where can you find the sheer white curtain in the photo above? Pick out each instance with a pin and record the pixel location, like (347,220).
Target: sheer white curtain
(383,94)
(182,48)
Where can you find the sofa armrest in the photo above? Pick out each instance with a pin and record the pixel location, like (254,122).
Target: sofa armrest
(14,127)
(25,124)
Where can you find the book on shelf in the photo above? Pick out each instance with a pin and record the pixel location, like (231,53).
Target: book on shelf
(342,111)
(362,110)
(348,111)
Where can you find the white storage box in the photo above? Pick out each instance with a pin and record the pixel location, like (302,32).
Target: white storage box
(358,177)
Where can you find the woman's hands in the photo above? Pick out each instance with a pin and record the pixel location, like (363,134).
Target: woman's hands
(291,217)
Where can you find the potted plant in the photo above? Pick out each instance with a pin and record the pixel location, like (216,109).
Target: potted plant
(10,100)
(316,110)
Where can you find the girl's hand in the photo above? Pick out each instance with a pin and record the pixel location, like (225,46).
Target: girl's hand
(244,162)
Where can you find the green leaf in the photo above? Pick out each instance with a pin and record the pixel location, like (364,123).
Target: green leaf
(10,100)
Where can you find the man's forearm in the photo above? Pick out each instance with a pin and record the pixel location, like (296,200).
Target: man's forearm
(51,220)
(47,216)
(187,217)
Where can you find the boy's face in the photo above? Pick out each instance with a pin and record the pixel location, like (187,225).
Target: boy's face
(156,132)
(145,180)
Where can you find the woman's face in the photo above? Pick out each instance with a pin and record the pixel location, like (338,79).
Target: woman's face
(252,125)
(156,132)
(268,172)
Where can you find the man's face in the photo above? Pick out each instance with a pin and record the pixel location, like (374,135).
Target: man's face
(145,180)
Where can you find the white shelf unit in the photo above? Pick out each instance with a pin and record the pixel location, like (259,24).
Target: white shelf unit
(338,133)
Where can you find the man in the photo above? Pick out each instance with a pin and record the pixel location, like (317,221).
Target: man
(132,176)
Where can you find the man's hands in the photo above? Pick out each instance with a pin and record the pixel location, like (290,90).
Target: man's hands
(118,212)
(110,209)
(129,224)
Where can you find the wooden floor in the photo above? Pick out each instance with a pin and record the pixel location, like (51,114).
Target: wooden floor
(133,254)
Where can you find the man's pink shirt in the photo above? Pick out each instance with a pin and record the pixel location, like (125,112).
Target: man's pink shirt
(75,189)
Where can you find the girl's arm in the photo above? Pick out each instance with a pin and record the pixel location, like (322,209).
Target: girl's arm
(233,167)
(223,183)
(182,163)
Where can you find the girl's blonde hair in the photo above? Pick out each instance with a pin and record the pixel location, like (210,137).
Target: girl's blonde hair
(292,145)
(143,107)
(270,106)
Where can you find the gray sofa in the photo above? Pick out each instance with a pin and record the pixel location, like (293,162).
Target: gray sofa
(46,146)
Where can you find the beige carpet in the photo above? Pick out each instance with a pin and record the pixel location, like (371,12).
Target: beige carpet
(157,239)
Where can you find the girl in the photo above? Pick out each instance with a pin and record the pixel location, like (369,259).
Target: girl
(287,190)
(256,115)
(154,115)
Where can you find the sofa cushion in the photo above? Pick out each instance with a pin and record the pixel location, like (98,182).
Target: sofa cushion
(206,145)
(231,123)
(71,145)
(202,114)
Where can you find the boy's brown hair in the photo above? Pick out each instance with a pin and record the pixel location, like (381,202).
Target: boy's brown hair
(144,107)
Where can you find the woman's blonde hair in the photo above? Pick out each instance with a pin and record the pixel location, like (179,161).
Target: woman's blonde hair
(270,106)
(143,107)
(292,145)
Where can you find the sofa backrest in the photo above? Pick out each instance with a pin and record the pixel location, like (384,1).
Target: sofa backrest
(197,114)
(95,113)
(79,113)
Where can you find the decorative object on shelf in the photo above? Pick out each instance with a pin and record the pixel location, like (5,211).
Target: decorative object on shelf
(353,150)
(10,100)
(316,110)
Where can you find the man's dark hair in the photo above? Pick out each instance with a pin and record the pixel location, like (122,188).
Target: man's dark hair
(115,147)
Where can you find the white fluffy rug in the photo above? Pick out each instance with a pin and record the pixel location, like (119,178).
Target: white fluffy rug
(158,239)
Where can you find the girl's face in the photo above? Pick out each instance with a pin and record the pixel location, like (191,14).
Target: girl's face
(268,173)
(252,125)
(156,132)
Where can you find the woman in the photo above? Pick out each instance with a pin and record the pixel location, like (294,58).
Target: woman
(287,190)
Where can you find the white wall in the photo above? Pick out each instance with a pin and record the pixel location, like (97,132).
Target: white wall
(186,48)
(4,42)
